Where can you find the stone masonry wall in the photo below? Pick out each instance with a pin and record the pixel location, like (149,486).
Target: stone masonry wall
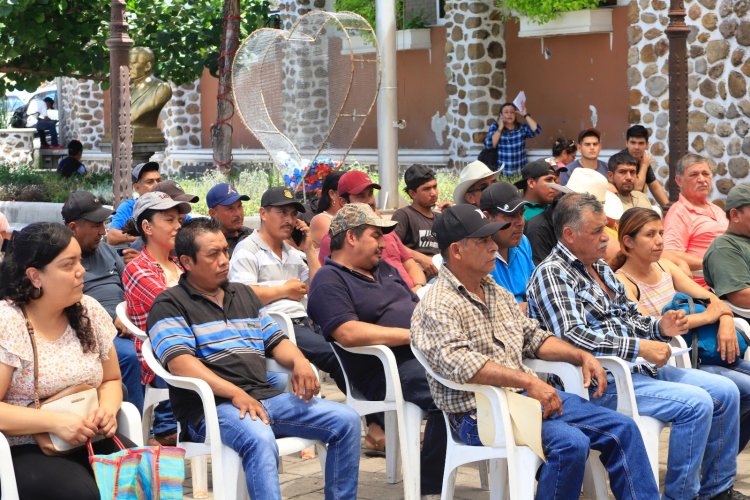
(475,69)
(82,114)
(181,121)
(16,146)
(718,75)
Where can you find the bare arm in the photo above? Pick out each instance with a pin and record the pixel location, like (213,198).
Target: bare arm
(740,298)
(657,191)
(110,396)
(415,272)
(292,289)
(631,292)
(695,263)
(117,237)
(425,262)
(359,333)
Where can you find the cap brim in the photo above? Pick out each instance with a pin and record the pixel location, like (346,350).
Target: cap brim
(231,199)
(189,198)
(99,215)
(560,187)
(560,169)
(461,189)
(489,229)
(386,225)
(359,189)
(513,206)
(183,206)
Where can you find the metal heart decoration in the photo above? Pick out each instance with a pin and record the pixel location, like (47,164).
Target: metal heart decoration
(305,93)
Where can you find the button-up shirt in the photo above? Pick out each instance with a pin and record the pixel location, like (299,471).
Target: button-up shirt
(458,333)
(511,148)
(567,300)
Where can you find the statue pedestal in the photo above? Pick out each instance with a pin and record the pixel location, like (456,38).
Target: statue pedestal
(142,151)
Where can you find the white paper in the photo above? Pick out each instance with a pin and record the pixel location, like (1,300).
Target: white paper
(520,101)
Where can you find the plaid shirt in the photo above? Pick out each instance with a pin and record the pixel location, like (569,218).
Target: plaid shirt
(458,333)
(567,300)
(143,280)
(511,149)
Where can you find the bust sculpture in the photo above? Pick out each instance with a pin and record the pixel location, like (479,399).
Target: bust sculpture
(148,95)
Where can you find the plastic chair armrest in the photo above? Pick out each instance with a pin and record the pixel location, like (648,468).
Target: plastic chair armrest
(386,357)
(570,375)
(620,370)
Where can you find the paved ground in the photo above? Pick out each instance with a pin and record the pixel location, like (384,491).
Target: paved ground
(302,479)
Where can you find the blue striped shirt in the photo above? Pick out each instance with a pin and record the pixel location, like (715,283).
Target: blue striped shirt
(511,148)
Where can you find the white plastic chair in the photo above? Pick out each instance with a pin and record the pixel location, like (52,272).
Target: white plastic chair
(511,465)
(437,261)
(403,420)
(128,425)
(741,322)
(226,466)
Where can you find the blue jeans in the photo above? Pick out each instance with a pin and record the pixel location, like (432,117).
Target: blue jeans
(704,411)
(43,126)
(566,440)
(335,424)
(739,373)
(164,422)
(130,369)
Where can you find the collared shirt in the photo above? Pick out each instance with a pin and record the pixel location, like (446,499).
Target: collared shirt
(567,300)
(636,199)
(511,148)
(532,209)
(255,263)
(514,274)
(691,229)
(143,279)
(232,341)
(458,333)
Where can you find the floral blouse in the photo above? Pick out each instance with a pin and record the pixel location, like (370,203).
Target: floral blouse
(61,363)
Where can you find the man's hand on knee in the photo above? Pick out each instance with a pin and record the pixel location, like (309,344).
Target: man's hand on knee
(547,395)
(247,404)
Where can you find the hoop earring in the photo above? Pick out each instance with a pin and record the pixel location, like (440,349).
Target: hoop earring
(36,292)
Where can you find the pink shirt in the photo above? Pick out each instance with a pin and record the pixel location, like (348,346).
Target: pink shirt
(691,229)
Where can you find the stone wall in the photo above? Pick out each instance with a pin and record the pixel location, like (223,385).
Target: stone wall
(718,69)
(82,111)
(475,69)
(16,146)
(181,120)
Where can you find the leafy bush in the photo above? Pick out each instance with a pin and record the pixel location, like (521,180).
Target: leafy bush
(544,11)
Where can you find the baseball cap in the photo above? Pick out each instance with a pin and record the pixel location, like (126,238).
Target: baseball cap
(142,168)
(588,132)
(470,174)
(156,200)
(586,180)
(354,215)
(463,221)
(418,174)
(503,197)
(83,205)
(223,194)
(534,170)
(280,197)
(354,182)
(175,191)
(738,197)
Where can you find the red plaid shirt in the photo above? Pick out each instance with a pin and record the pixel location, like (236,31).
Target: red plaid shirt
(143,279)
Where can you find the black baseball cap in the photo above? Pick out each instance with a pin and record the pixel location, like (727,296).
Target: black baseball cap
(503,197)
(142,168)
(83,205)
(463,221)
(536,169)
(279,197)
(418,174)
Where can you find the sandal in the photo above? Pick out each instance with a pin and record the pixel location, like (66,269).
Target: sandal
(373,448)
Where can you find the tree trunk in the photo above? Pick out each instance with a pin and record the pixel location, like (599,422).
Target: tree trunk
(221,131)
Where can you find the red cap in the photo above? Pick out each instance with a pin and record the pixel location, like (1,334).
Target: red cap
(354,182)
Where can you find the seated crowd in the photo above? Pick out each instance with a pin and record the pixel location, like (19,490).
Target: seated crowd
(569,263)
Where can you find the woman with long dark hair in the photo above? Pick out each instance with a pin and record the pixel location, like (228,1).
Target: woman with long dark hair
(509,136)
(41,294)
(330,203)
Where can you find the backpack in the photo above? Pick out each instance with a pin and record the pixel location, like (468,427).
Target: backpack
(704,336)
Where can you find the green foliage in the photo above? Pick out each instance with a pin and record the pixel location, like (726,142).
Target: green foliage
(23,183)
(67,37)
(366,9)
(544,11)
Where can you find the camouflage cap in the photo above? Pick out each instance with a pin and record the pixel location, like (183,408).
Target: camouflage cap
(354,215)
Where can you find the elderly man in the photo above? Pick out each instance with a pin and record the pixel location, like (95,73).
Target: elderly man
(537,176)
(471,331)
(693,222)
(473,179)
(208,328)
(359,299)
(225,207)
(622,173)
(575,294)
(145,177)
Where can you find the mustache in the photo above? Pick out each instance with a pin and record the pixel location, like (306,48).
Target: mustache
(602,246)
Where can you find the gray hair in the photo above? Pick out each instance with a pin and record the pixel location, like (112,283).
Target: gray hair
(690,159)
(569,211)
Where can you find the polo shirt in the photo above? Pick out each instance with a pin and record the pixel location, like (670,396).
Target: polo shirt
(255,263)
(532,209)
(339,294)
(103,278)
(123,214)
(514,275)
(233,341)
(601,167)
(691,229)
(726,265)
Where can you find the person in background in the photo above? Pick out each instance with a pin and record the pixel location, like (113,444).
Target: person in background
(71,164)
(225,207)
(328,205)
(564,151)
(4,234)
(537,177)
(509,137)
(145,177)
(636,143)
(45,123)
(622,175)
(473,179)
(414,227)
(590,145)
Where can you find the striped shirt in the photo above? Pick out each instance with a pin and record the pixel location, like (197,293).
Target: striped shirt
(232,342)
(511,149)
(567,300)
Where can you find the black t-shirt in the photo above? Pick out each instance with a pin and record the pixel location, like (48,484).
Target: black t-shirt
(541,234)
(415,230)
(69,166)
(650,176)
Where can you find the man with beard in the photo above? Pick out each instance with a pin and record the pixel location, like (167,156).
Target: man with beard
(225,207)
(85,216)
(208,328)
(513,263)
(622,173)
(358,299)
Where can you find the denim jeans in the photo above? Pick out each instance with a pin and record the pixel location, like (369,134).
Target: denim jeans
(43,126)
(704,411)
(739,373)
(566,440)
(164,422)
(130,369)
(335,424)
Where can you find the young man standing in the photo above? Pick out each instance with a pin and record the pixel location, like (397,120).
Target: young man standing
(589,144)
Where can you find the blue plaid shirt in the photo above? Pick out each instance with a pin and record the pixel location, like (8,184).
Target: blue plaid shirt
(511,149)
(567,300)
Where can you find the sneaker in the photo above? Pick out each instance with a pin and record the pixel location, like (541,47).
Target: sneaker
(730,494)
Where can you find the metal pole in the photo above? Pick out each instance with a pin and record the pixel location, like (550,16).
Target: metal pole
(677,32)
(119,44)
(385,29)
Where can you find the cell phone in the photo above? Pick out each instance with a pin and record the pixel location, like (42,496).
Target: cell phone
(298,236)
(120,251)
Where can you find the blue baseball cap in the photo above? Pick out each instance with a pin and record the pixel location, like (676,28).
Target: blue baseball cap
(224,194)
